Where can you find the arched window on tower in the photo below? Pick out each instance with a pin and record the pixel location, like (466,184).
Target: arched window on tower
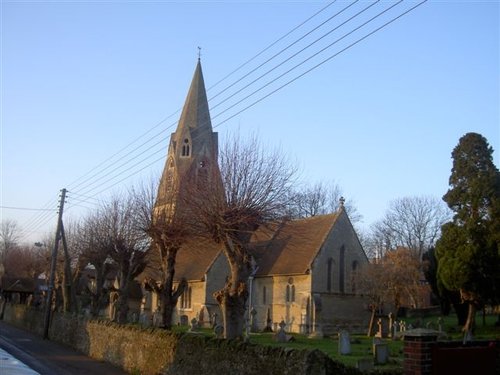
(185,148)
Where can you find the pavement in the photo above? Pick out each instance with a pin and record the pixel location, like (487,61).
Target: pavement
(47,357)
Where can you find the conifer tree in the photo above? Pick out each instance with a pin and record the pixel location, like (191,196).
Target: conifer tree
(468,250)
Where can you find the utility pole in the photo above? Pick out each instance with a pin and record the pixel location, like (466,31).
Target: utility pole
(48,303)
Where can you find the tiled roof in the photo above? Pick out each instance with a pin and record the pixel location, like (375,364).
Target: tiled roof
(192,262)
(291,247)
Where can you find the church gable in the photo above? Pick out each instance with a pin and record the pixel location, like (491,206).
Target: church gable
(338,260)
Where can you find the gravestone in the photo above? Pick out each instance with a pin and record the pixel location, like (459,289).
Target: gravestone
(184,320)
(269,322)
(344,343)
(440,324)
(194,325)
(281,335)
(390,326)
(214,320)
(157,319)
(379,328)
(381,352)
(219,331)
(402,326)
(253,320)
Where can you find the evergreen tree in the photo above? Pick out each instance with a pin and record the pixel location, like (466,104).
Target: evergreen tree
(468,250)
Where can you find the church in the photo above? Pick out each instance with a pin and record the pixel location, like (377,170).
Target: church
(304,270)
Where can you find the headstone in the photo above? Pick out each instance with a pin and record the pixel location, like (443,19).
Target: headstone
(269,322)
(280,336)
(253,320)
(184,320)
(379,328)
(440,324)
(214,320)
(194,325)
(219,331)
(344,343)
(157,319)
(381,353)
(402,326)
(391,332)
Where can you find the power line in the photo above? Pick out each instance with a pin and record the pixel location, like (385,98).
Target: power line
(27,209)
(271,45)
(262,87)
(161,140)
(172,125)
(322,62)
(86,188)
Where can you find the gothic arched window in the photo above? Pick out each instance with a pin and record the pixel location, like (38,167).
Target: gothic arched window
(186,298)
(341,269)
(329,275)
(354,276)
(290,291)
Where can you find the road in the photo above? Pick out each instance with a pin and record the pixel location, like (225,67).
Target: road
(49,358)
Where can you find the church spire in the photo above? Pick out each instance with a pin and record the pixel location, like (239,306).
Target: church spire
(193,147)
(195,113)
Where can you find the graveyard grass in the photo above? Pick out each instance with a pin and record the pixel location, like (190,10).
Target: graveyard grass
(361,345)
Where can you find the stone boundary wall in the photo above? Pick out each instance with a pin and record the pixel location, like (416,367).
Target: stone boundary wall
(154,351)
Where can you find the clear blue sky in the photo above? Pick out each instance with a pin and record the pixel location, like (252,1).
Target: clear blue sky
(80,80)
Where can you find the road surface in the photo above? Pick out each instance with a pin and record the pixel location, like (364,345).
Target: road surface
(49,358)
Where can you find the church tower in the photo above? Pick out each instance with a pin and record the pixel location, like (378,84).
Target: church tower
(192,152)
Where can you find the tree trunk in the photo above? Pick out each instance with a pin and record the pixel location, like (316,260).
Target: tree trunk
(97,293)
(470,324)
(123,291)
(122,306)
(372,320)
(232,300)
(233,311)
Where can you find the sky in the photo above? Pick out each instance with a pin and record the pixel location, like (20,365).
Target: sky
(91,90)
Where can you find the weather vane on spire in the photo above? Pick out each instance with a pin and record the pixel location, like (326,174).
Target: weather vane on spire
(199,53)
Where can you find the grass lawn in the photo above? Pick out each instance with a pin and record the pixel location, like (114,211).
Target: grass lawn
(361,345)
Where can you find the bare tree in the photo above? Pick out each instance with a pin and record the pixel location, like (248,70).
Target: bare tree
(392,280)
(129,246)
(410,222)
(95,246)
(320,199)
(25,261)
(9,236)
(168,233)
(254,190)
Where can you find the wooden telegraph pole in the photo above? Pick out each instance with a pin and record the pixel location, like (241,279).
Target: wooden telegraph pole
(48,302)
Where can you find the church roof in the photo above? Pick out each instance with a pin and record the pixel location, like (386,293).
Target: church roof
(193,260)
(291,247)
(280,249)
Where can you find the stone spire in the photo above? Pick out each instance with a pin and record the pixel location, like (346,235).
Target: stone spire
(193,146)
